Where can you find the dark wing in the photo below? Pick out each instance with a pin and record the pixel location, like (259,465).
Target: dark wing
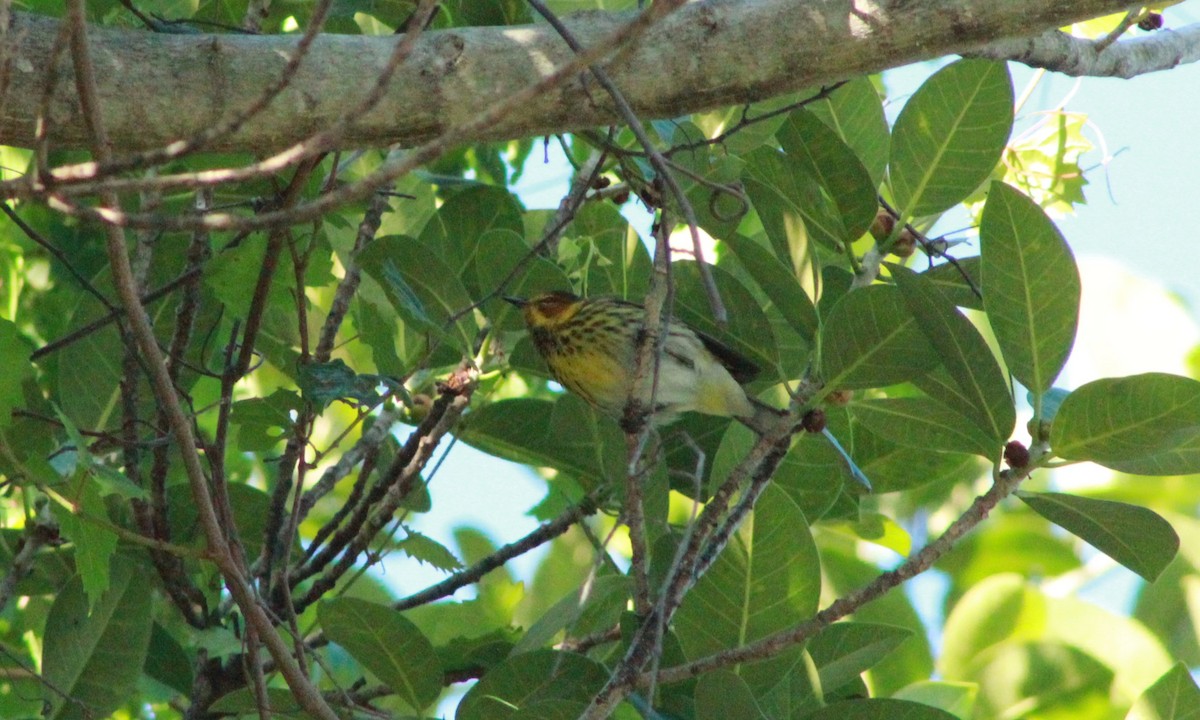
(739,366)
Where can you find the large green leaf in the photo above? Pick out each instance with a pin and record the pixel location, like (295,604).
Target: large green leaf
(1173,697)
(93,657)
(454,231)
(1005,612)
(871,339)
(845,650)
(94,544)
(778,282)
(791,205)
(958,699)
(879,709)
(925,423)
(822,154)
(613,258)
(565,434)
(855,112)
(983,395)
(1031,287)
(959,281)
(386,643)
(499,252)
(421,287)
(949,136)
(749,331)
(722,695)
(14,358)
(1142,424)
(530,678)
(766,579)
(1134,536)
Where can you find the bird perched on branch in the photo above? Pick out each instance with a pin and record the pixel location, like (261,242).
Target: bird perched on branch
(591,345)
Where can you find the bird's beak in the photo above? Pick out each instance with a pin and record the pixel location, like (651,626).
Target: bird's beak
(519,302)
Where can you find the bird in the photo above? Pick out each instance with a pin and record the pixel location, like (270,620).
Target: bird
(591,345)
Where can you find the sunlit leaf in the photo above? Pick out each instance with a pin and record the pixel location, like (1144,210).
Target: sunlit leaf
(765,580)
(1173,697)
(1031,287)
(387,644)
(982,390)
(923,422)
(1134,536)
(854,111)
(94,652)
(871,339)
(1143,424)
(949,136)
(530,678)
(842,176)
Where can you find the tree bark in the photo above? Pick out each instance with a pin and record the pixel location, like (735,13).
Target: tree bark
(157,88)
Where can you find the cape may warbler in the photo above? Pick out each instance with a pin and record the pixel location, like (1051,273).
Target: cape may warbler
(590,345)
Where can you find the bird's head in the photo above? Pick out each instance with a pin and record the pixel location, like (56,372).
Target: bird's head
(548,309)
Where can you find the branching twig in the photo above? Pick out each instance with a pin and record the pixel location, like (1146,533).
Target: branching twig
(1007,481)
(164,390)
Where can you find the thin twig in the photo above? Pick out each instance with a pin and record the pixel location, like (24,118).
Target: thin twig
(305,693)
(657,161)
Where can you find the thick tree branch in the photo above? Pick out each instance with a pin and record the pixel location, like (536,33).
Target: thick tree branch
(705,55)
(1070,55)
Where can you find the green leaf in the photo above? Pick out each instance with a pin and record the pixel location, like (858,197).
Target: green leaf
(854,111)
(499,253)
(766,579)
(871,339)
(614,259)
(822,154)
(531,678)
(421,286)
(1173,697)
(595,607)
(983,395)
(777,282)
(845,650)
(949,136)
(322,383)
(952,280)
(812,474)
(1136,537)
(232,276)
(722,695)
(14,358)
(167,661)
(263,422)
(94,545)
(923,422)
(791,205)
(1031,287)
(988,634)
(956,698)
(749,331)
(879,709)
(564,434)
(425,549)
(452,235)
(244,703)
(1142,424)
(95,657)
(387,644)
